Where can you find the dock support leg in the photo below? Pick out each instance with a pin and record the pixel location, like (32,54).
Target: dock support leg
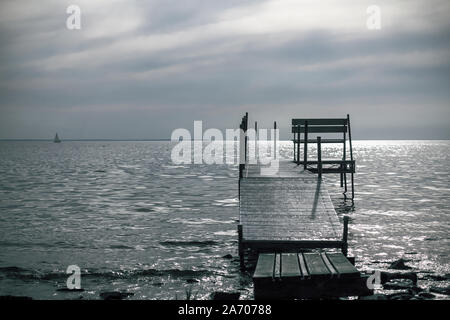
(239,189)
(345,186)
(345,237)
(305,148)
(353,188)
(344,150)
(319,157)
(351,153)
(295,147)
(241,248)
(256,140)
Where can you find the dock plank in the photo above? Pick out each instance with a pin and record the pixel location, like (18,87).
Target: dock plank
(342,265)
(316,265)
(277,266)
(265,266)
(289,265)
(329,265)
(302,264)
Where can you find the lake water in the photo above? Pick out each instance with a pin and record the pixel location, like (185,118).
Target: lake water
(135,222)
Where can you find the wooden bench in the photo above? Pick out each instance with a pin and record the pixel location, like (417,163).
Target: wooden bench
(298,275)
(340,126)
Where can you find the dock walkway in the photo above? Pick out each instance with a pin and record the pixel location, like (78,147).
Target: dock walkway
(290,206)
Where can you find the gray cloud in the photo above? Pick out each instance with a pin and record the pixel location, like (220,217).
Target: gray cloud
(140,69)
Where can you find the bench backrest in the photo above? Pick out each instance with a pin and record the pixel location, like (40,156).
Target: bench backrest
(320,125)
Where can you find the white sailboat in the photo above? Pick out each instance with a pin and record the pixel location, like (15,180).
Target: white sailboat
(56,140)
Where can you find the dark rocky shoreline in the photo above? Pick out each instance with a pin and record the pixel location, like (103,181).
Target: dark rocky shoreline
(400,282)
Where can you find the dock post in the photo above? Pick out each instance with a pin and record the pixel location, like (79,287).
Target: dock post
(345,182)
(295,145)
(239,188)
(245,135)
(353,187)
(343,158)
(305,148)
(298,145)
(274,140)
(319,157)
(241,156)
(345,237)
(242,142)
(351,154)
(256,140)
(241,248)
(295,157)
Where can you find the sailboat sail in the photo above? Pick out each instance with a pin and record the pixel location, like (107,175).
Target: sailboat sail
(56,140)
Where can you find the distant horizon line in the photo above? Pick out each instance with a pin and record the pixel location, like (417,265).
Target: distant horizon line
(51,140)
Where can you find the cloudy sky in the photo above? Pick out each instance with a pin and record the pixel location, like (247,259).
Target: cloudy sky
(139,69)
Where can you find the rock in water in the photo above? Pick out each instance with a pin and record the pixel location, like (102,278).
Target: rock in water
(115,295)
(157,284)
(399,264)
(388,276)
(225,295)
(373,297)
(437,277)
(191,280)
(400,296)
(227,256)
(426,295)
(70,290)
(440,290)
(399,284)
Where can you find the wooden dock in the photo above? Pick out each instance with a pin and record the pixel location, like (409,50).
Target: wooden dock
(286,211)
(311,275)
(289,212)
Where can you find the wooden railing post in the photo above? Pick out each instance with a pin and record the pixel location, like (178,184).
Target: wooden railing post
(319,157)
(298,145)
(351,153)
(241,155)
(305,148)
(274,140)
(241,149)
(245,134)
(344,155)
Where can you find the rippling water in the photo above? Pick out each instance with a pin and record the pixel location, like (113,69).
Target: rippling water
(133,221)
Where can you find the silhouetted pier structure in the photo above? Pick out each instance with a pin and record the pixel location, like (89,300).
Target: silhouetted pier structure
(286,214)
